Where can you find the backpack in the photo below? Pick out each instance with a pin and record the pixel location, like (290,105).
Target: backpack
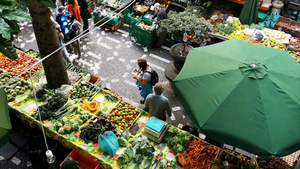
(154,77)
(79,30)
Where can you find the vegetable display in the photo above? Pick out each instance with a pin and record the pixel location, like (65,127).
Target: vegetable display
(84,90)
(177,139)
(273,162)
(295,43)
(53,104)
(200,154)
(71,118)
(14,86)
(73,76)
(97,125)
(145,26)
(141,8)
(42,94)
(138,156)
(295,55)
(234,162)
(22,63)
(225,28)
(272,44)
(123,115)
(89,106)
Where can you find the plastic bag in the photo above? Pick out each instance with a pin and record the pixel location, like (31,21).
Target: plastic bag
(258,35)
(64,90)
(108,142)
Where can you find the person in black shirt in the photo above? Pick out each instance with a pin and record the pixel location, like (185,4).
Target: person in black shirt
(160,14)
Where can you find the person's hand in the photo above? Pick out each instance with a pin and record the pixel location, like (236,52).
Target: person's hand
(135,70)
(134,76)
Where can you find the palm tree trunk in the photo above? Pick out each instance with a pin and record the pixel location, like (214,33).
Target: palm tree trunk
(47,40)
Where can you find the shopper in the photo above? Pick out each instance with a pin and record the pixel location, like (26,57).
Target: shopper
(160,14)
(84,13)
(61,38)
(61,19)
(143,77)
(73,8)
(73,32)
(158,105)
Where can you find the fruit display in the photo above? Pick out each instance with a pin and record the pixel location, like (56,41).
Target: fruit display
(32,53)
(199,154)
(278,36)
(14,86)
(273,162)
(84,90)
(72,119)
(97,125)
(21,64)
(144,26)
(178,140)
(123,115)
(49,109)
(141,8)
(233,161)
(272,44)
(295,55)
(239,34)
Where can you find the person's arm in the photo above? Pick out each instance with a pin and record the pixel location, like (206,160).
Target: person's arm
(154,16)
(61,35)
(158,17)
(168,108)
(146,108)
(142,81)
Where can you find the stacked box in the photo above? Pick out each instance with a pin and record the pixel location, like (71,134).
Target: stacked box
(132,21)
(145,37)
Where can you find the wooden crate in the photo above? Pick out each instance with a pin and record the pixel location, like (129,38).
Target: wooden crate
(293,31)
(281,19)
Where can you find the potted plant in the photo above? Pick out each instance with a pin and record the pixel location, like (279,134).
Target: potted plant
(185,27)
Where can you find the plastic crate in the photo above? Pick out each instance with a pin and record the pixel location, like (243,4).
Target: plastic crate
(148,19)
(38,53)
(132,21)
(115,21)
(147,22)
(145,37)
(84,161)
(281,19)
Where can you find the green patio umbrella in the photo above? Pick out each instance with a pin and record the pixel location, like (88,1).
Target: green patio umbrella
(5,125)
(249,12)
(244,95)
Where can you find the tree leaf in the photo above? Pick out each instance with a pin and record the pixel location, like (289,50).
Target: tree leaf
(16,15)
(7,48)
(47,3)
(7,1)
(6,7)
(23,4)
(5,29)
(13,26)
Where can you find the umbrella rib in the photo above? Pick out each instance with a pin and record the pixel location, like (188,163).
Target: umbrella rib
(208,74)
(210,54)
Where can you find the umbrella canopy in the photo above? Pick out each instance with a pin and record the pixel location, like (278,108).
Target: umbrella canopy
(5,125)
(249,12)
(244,95)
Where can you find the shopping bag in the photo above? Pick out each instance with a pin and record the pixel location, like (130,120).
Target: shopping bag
(108,142)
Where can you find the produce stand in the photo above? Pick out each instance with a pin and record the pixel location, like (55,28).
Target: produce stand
(110,106)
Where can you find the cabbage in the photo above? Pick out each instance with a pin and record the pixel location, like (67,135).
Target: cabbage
(68,128)
(64,120)
(75,126)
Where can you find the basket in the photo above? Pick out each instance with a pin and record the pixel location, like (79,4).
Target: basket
(293,31)
(95,80)
(84,161)
(31,50)
(281,19)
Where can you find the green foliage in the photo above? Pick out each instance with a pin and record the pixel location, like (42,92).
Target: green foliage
(225,28)
(177,139)
(186,22)
(11,13)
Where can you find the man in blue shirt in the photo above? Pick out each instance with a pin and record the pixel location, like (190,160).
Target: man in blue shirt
(61,19)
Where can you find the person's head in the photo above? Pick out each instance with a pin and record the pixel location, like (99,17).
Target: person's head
(156,7)
(61,10)
(158,88)
(142,63)
(71,2)
(70,18)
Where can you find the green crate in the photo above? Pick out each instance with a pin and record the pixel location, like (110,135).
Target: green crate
(147,19)
(145,37)
(147,23)
(133,18)
(115,21)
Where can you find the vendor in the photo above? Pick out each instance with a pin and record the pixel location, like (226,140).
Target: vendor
(160,14)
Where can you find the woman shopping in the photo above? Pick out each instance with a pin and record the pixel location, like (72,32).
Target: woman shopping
(143,77)
(73,8)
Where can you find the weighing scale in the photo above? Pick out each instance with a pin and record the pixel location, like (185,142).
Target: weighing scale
(155,129)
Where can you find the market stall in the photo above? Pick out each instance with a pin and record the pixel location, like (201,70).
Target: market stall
(88,110)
